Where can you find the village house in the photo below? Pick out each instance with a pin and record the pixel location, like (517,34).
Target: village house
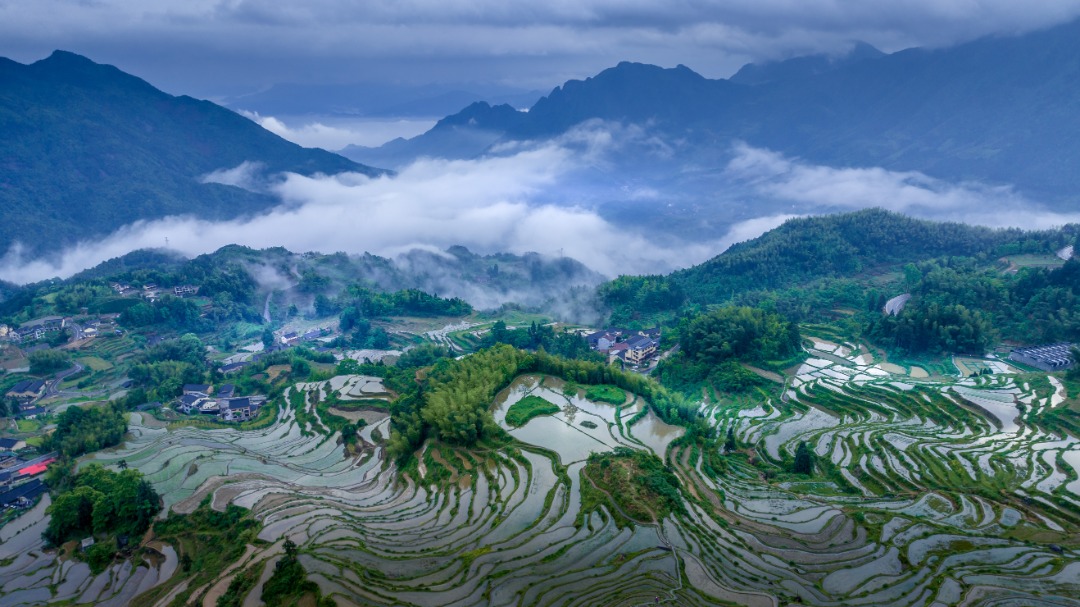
(23,496)
(197,389)
(237,409)
(39,328)
(639,349)
(1052,357)
(225,404)
(634,347)
(12,444)
(190,403)
(27,391)
(233,367)
(601,341)
(185,290)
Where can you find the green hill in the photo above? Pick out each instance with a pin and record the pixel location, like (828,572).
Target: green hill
(804,250)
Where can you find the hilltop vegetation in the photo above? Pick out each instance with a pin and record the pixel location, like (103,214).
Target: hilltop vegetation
(103,504)
(713,344)
(848,245)
(80,430)
(636,482)
(965,294)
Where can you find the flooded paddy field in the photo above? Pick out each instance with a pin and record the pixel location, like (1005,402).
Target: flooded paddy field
(928,492)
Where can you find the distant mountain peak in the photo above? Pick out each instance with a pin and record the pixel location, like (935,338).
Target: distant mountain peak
(113,150)
(805,66)
(67,61)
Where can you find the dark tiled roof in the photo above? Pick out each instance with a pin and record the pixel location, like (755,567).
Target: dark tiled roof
(239,403)
(28,490)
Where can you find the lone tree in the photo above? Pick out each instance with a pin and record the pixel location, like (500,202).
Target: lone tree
(268,339)
(730,444)
(804,459)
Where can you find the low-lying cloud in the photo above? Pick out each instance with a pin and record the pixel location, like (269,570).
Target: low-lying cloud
(533,197)
(487,204)
(819,188)
(335,133)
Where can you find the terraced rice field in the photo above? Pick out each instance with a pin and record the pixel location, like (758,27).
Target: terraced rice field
(929,493)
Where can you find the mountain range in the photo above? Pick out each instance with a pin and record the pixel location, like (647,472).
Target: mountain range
(999,110)
(89,148)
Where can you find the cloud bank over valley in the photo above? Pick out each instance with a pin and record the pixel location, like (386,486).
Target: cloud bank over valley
(576,196)
(513,202)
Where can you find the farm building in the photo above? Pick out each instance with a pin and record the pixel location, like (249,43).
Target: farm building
(1053,357)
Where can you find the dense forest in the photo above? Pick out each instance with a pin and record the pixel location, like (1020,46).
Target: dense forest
(712,345)
(80,430)
(535,337)
(958,306)
(966,293)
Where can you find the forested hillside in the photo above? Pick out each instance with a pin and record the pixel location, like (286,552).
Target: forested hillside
(850,244)
(89,148)
(967,293)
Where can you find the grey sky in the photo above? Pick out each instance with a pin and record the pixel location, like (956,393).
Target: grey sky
(213,48)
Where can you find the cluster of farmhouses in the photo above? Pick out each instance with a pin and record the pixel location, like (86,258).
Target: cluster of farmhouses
(202,399)
(20,474)
(634,347)
(151,292)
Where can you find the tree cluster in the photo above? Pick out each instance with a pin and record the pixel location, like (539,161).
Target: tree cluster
(85,430)
(533,337)
(101,502)
(163,369)
(47,362)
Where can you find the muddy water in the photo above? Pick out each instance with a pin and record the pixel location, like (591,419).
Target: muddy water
(656,433)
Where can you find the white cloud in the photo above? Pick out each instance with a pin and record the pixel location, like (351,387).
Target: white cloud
(246,175)
(822,188)
(333,133)
(487,205)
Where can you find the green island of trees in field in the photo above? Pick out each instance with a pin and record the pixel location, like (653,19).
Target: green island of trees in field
(103,504)
(641,488)
(605,394)
(527,408)
(713,344)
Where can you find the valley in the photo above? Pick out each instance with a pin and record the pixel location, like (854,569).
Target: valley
(804,333)
(936,491)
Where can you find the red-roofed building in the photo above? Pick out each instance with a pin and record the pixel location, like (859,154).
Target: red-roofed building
(36,469)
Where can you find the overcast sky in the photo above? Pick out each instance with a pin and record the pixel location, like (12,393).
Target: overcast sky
(213,48)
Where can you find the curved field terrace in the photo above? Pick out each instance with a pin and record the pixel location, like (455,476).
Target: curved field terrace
(927,492)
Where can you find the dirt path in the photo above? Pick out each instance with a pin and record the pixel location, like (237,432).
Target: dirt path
(218,589)
(769,375)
